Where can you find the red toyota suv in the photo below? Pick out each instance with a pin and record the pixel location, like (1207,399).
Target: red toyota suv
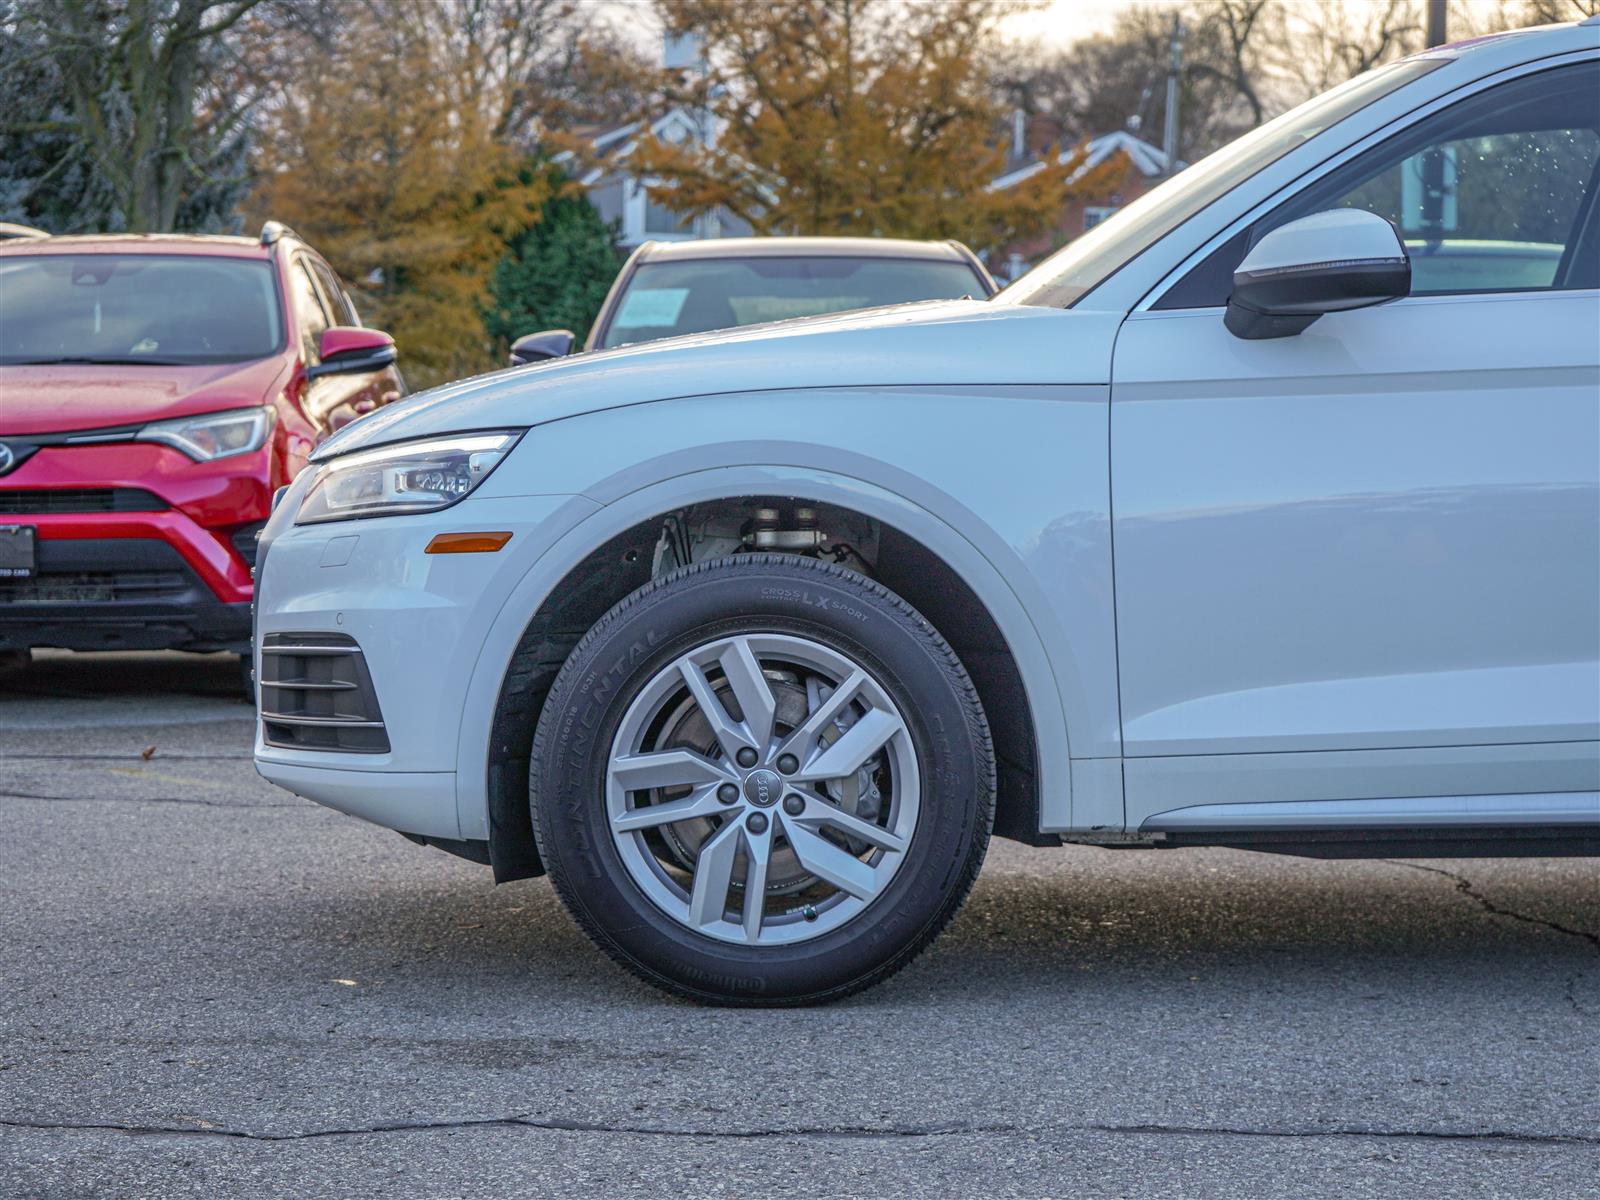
(155,390)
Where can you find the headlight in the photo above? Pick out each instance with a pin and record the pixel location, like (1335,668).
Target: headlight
(406,478)
(215,435)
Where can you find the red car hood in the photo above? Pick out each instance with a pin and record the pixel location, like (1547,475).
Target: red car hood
(59,399)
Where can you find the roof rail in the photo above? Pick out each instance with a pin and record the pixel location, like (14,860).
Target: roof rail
(9,229)
(273,230)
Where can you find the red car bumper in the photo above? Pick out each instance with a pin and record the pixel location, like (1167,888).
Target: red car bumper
(138,547)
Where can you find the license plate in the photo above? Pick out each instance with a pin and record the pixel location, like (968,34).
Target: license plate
(17,559)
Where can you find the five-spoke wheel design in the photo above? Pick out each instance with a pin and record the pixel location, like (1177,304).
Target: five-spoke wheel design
(762,789)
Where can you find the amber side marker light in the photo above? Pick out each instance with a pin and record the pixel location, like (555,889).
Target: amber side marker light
(467,543)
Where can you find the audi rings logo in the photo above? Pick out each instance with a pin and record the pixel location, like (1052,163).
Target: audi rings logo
(8,458)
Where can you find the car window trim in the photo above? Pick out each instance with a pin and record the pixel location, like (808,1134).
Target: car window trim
(298,262)
(1312,175)
(332,289)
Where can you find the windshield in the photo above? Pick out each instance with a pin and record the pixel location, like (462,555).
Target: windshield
(1063,278)
(141,309)
(665,299)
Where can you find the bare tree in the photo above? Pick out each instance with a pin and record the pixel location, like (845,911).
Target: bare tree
(542,64)
(1115,80)
(1549,12)
(1330,42)
(138,106)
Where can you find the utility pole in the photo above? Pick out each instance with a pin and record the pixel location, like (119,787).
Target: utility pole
(1169,135)
(1437,12)
(1434,166)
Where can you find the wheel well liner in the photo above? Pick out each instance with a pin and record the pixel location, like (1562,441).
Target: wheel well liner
(623,563)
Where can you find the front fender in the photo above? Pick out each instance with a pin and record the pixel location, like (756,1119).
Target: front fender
(640,491)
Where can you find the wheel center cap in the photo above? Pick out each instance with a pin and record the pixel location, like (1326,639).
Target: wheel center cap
(763,787)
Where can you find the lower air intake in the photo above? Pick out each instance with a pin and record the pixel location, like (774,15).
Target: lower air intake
(316,694)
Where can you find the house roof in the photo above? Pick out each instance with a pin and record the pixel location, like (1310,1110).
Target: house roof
(616,142)
(1148,160)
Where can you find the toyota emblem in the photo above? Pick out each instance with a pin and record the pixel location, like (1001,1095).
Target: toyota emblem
(8,458)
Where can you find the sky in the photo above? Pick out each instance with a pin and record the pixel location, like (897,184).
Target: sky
(1055,22)
(1061,21)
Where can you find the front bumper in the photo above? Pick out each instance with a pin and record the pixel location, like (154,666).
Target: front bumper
(419,620)
(125,593)
(139,548)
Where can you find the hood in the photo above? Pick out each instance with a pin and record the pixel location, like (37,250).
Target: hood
(60,399)
(941,342)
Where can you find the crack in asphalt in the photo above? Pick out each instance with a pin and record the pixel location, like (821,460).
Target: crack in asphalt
(826,1132)
(8,795)
(1466,888)
(164,756)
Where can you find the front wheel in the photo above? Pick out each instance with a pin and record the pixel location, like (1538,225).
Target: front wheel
(762,780)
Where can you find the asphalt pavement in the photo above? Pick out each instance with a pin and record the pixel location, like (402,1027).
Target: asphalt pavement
(210,988)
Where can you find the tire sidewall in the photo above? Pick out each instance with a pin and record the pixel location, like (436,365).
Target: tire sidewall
(647,632)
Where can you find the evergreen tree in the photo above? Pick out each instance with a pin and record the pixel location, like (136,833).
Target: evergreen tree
(556,272)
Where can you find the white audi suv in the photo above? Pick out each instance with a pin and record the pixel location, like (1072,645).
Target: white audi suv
(1266,514)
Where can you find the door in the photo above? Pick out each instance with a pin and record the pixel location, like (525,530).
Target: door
(1364,561)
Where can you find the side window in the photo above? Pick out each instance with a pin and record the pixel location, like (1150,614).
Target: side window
(310,318)
(1491,194)
(336,301)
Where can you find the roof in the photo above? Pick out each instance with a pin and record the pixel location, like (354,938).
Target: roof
(610,142)
(798,247)
(1148,160)
(138,243)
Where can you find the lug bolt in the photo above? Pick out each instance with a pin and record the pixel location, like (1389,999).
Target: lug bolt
(793,805)
(746,757)
(728,794)
(788,764)
(756,822)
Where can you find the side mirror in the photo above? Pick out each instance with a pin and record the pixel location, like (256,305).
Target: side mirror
(352,350)
(536,347)
(1328,262)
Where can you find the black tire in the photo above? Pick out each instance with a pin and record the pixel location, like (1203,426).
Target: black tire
(767,593)
(14,665)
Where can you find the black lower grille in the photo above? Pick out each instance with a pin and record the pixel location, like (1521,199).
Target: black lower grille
(244,542)
(316,694)
(43,501)
(93,587)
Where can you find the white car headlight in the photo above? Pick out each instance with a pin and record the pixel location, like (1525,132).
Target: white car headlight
(213,435)
(405,478)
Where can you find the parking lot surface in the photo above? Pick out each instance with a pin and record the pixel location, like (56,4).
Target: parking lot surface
(209,987)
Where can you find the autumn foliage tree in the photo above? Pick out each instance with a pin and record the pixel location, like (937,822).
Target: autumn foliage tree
(856,117)
(384,155)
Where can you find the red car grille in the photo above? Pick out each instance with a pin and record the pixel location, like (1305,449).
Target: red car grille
(89,587)
(41,501)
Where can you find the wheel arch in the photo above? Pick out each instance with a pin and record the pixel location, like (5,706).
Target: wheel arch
(934,566)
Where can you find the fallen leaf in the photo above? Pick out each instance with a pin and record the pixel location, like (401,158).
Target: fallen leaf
(147,752)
